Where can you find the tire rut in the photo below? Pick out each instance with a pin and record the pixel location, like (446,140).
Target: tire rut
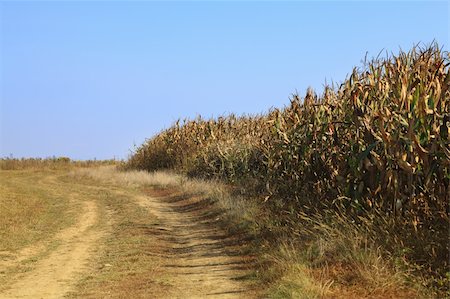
(202,259)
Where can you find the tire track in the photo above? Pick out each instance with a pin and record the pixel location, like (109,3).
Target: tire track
(203,260)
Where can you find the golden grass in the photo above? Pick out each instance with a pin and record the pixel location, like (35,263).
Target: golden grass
(129,178)
(335,258)
(291,277)
(29,211)
(237,208)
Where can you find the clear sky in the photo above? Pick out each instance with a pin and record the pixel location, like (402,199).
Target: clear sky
(90,79)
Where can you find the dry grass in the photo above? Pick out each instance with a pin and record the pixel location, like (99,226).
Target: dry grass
(334,258)
(59,163)
(291,277)
(130,178)
(29,212)
(238,209)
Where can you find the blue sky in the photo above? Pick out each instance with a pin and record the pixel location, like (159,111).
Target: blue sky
(89,79)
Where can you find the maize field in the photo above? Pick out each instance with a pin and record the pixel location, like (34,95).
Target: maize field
(376,148)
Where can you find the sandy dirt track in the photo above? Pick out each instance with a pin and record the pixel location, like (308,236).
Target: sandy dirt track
(55,275)
(202,258)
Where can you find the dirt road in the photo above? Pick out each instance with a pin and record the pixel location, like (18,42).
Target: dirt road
(196,257)
(201,257)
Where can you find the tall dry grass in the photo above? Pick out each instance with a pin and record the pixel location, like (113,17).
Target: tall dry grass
(375,150)
(237,208)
